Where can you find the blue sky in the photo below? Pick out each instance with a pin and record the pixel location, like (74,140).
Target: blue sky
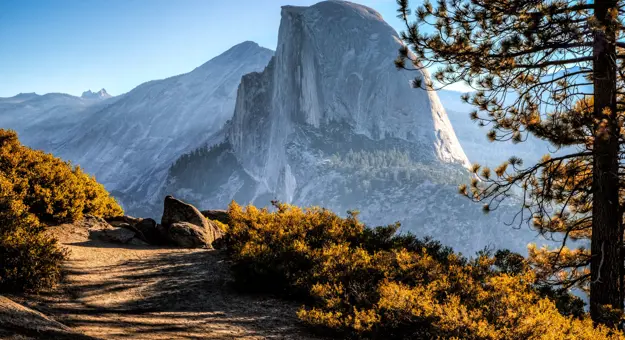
(71,46)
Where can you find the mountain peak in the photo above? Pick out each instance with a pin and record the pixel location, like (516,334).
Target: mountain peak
(23,95)
(102,94)
(337,8)
(244,48)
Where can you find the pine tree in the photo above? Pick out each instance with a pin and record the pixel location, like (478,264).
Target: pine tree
(552,69)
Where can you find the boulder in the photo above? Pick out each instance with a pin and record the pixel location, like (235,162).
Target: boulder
(217,215)
(177,211)
(213,234)
(150,232)
(119,235)
(119,220)
(188,235)
(184,225)
(134,229)
(138,242)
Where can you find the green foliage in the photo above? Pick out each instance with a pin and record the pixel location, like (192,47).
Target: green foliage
(394,164)
(372,283)
(37,189)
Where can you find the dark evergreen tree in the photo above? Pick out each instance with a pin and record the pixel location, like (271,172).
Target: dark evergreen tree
(553,69)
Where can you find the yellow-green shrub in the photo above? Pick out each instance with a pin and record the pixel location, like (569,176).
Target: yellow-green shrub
(272,250)
(370,283)
(29,260)
(37,189)
(52,189)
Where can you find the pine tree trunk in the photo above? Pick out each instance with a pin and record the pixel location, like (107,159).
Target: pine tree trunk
(605,265)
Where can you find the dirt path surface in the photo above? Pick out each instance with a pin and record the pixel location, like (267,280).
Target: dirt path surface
(132,292)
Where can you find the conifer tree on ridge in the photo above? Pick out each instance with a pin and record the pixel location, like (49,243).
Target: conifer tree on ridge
(552,69)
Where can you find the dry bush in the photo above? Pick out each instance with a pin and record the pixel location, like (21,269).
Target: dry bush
(38,189)
(371,283)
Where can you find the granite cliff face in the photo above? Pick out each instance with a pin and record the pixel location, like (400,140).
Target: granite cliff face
(331,122)
(334,65)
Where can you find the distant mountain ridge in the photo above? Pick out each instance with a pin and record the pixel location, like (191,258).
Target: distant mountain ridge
(102,94)
(129,141)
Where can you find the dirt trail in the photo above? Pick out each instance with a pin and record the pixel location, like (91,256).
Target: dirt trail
(133,292)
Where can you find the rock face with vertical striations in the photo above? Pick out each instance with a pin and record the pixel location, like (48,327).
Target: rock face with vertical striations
(332,122)
(334,65)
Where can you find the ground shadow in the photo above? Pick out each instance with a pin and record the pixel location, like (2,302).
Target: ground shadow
(177,294)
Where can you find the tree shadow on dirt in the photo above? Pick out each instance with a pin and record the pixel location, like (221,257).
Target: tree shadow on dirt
(185,294)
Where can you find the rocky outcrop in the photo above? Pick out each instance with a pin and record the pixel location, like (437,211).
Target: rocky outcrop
(331,122)
(185,225)
(334,63)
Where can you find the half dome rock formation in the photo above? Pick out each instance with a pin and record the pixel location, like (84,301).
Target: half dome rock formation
(334,65)
(332,122)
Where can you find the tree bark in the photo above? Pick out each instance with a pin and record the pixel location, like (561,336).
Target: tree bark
(605,264)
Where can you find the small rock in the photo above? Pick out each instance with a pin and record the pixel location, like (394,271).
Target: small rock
(119,235)
(137,232)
